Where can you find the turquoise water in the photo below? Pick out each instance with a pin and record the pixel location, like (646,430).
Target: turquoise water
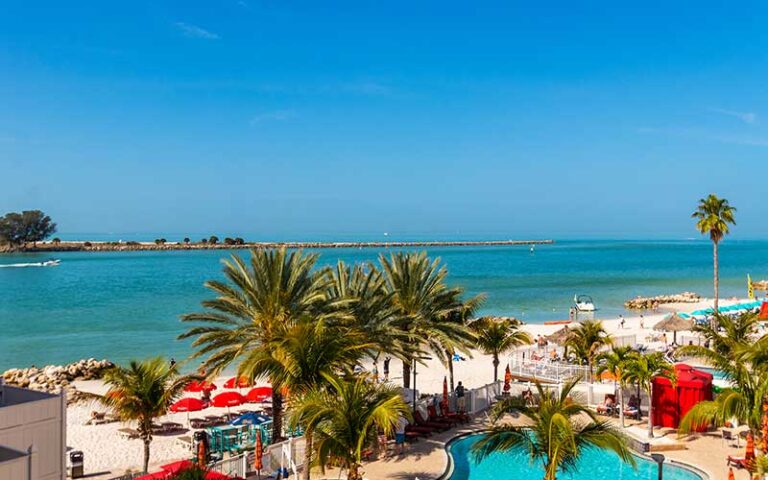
(716,374)
(120,305)
(593,464)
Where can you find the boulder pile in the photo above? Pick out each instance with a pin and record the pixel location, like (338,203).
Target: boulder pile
(55,378)
(646,303)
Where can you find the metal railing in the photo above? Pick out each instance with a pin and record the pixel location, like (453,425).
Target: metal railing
(236,466)
(545,370)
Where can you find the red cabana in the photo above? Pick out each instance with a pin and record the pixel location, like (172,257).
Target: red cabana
(764,311)
(671,403)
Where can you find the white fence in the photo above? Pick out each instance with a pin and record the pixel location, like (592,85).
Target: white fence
(545,370)
(234,466)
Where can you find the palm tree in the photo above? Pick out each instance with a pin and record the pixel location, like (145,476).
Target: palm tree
(586,340)
(641,370)
(713,216)
(615,361)
(734,351)
(363,292)
(496,337)
(463,316)
(253,309)
(346,417)
(424,305)
(143,391)
(309,352)
(555,433)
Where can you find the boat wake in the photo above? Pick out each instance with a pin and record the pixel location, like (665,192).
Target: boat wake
(47,263)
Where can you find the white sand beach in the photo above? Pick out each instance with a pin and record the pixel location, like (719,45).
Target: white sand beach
(108,454)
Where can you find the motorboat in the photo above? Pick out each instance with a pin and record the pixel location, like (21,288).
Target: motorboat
(53,262)
(584,303)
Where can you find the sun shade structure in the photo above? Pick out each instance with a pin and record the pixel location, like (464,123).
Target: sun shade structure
(188,405)
(674,323)
(235,382)
(228,399)
(672,402)
(202,386)
(259,394)
(560,336)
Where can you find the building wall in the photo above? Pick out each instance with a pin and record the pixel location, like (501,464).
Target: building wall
(40,424)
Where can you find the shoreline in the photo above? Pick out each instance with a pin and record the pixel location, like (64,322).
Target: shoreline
(88,246)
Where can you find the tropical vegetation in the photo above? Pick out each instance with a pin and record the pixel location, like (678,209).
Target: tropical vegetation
(143,391)
(497,336)
(30,226)
(713,217)
(554,433)
(615,362)
(641,369)
(586,341)
(346,417)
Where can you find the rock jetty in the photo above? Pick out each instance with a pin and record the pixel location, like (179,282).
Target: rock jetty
(646,303)
(57,378)
(130,246)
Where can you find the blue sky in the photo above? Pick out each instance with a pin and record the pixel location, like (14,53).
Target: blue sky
(512,119)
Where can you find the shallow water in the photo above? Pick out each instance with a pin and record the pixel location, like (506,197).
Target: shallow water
(121,305)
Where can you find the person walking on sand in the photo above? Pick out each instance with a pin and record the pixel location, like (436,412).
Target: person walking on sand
(621,321)
(400,435)
(386,368)
(461,403)
(642,322)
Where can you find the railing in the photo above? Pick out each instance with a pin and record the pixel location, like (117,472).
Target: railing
(545,370)
(236,466)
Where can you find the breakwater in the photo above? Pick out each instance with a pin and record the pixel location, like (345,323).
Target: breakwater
(86,246)
(57,378)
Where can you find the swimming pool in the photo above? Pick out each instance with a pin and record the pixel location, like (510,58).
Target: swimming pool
(594,464)
(716,374)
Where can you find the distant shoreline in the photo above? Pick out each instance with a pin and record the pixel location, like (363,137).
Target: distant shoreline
(89,246)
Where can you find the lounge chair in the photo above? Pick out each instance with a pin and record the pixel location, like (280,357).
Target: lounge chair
(439,426)
(728,436)
(198,423)
(171,427)
(446,411)
(128,433)
(424,431)
(434,417)
(738,462)
(608,407)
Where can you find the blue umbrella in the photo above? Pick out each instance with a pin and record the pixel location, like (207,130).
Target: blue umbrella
(249,419)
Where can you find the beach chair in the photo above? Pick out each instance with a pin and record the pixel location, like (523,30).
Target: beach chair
(128,433)
(171,427)
(198,423)
(608,407)
(738,462)
(439,426)
(728,436)
(434,417)
(446,411)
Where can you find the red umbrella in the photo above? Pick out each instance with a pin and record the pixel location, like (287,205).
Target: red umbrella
(259,394)
(235,382)
(188,405)
(228,399)
(203,386)
(507,380)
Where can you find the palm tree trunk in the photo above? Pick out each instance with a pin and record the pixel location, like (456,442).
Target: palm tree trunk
(277,414)
(307,453)
(717,279)
(495,368)
(406,374)
(147,441)
(621,406)
(650,411)
(450,371)
(353,473)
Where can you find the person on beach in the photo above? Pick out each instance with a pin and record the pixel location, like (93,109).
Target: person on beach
(173,362)
(386,368)
(642,322)
(400,435)
(461,404)
(621,321)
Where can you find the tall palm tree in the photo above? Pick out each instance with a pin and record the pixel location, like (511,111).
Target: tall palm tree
(346,417)
(424,305)
(496,337)
(641,370)
(615,361)
(309,352)
(143,391)
(363,291)
(555,433)
(713,217)
(586,340)
(252,311)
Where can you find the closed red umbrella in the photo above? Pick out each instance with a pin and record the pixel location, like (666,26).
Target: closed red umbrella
(202,455)
(259,394)
(507,380)
(444,403)
(188,405)
(238,382)
(749,453)
(201,386)
(258,464)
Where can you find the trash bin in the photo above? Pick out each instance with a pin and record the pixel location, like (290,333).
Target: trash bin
(76,464)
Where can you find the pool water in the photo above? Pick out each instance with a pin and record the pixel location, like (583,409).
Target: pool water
(716,374)
(594,464)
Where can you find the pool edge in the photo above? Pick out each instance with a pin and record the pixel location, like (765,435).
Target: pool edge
(446,475)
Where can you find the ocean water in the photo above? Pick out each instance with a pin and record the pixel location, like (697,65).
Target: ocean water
(594,463)
(122,305)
